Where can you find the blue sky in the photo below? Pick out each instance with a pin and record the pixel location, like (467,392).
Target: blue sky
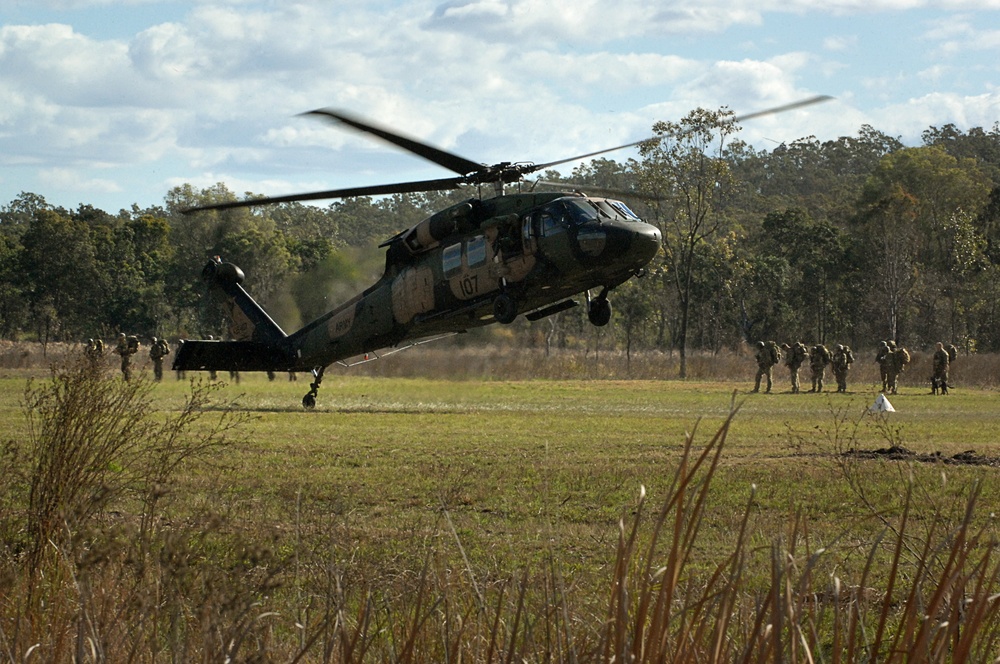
(113,103)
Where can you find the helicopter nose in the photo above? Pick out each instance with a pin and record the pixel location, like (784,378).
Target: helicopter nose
(645,242)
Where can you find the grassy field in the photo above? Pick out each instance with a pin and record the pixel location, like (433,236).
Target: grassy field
(486,480)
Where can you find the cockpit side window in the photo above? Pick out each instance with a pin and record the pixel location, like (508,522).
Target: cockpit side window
(582,211)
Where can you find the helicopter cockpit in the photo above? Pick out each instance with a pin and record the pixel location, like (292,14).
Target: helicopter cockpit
(571,212)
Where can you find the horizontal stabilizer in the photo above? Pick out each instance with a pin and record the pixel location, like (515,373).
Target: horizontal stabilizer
(231,356)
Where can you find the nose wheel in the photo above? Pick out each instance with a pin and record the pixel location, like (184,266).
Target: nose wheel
(504,309)
(309,400)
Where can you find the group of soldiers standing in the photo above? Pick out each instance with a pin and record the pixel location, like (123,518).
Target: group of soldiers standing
(127,346)
(891,359)
(769,354)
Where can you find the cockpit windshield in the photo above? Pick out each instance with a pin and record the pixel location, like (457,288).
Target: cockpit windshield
(623,209)
(583,210)
(570,212)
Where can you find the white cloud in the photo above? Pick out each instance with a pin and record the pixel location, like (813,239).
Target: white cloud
(840,43)
(77,180)
(910,118)
(217,90)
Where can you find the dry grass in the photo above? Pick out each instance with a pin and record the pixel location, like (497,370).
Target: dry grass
(127,558)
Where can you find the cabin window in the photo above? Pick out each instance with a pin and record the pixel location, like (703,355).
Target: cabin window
(551,220)
(476,251)
(451,258)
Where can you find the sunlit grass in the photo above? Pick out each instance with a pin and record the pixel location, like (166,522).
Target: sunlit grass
(484,479)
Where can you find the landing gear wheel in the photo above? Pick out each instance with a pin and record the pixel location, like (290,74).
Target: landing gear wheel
(504,309)
(309,400)
(599,312)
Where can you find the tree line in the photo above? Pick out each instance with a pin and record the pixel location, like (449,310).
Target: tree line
(850,240)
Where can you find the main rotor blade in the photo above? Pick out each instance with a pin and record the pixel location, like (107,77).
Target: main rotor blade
(739,118)
(579,186)
(452,162)
(376,190)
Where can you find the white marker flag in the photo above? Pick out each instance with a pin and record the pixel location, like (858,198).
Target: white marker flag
(882,405)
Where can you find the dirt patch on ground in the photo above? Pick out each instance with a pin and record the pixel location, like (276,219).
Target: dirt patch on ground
(899,453)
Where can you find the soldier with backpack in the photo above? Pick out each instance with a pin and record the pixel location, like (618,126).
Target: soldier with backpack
(94,351)
(767,355)
(883,357)
(898,359)
(795,356)
(941,363)
(126,348)
(159,350)
(842,360)
(819,357)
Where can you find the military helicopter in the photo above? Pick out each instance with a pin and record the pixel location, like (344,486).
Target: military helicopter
(482,261)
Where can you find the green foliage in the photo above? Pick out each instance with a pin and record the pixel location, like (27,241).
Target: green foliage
(688,172)
(856,238)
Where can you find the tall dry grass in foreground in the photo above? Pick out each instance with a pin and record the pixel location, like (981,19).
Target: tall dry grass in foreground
(104,558)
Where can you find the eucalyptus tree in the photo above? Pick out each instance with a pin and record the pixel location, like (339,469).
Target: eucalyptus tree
(687,171)
(13,305)
(907,226)
(56,267)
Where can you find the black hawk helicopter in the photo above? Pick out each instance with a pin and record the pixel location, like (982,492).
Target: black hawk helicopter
(479,262)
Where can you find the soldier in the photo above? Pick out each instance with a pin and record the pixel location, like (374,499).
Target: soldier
(898,359)
(795,355)
(819,357)
(767,355)
(93,351)
(939,379)
(883,357)
(126,348)
(212,375)
(843,358)
(157,352)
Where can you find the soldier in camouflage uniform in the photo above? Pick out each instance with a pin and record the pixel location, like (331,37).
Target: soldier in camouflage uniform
(843,358)
(883,357)
(795,356)
(126,348)
(94,351)
(898,359)
(157,352)
(819,357)
(939,379)
(767,357)
(212,374)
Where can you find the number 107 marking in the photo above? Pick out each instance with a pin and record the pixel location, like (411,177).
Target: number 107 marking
(469,285)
